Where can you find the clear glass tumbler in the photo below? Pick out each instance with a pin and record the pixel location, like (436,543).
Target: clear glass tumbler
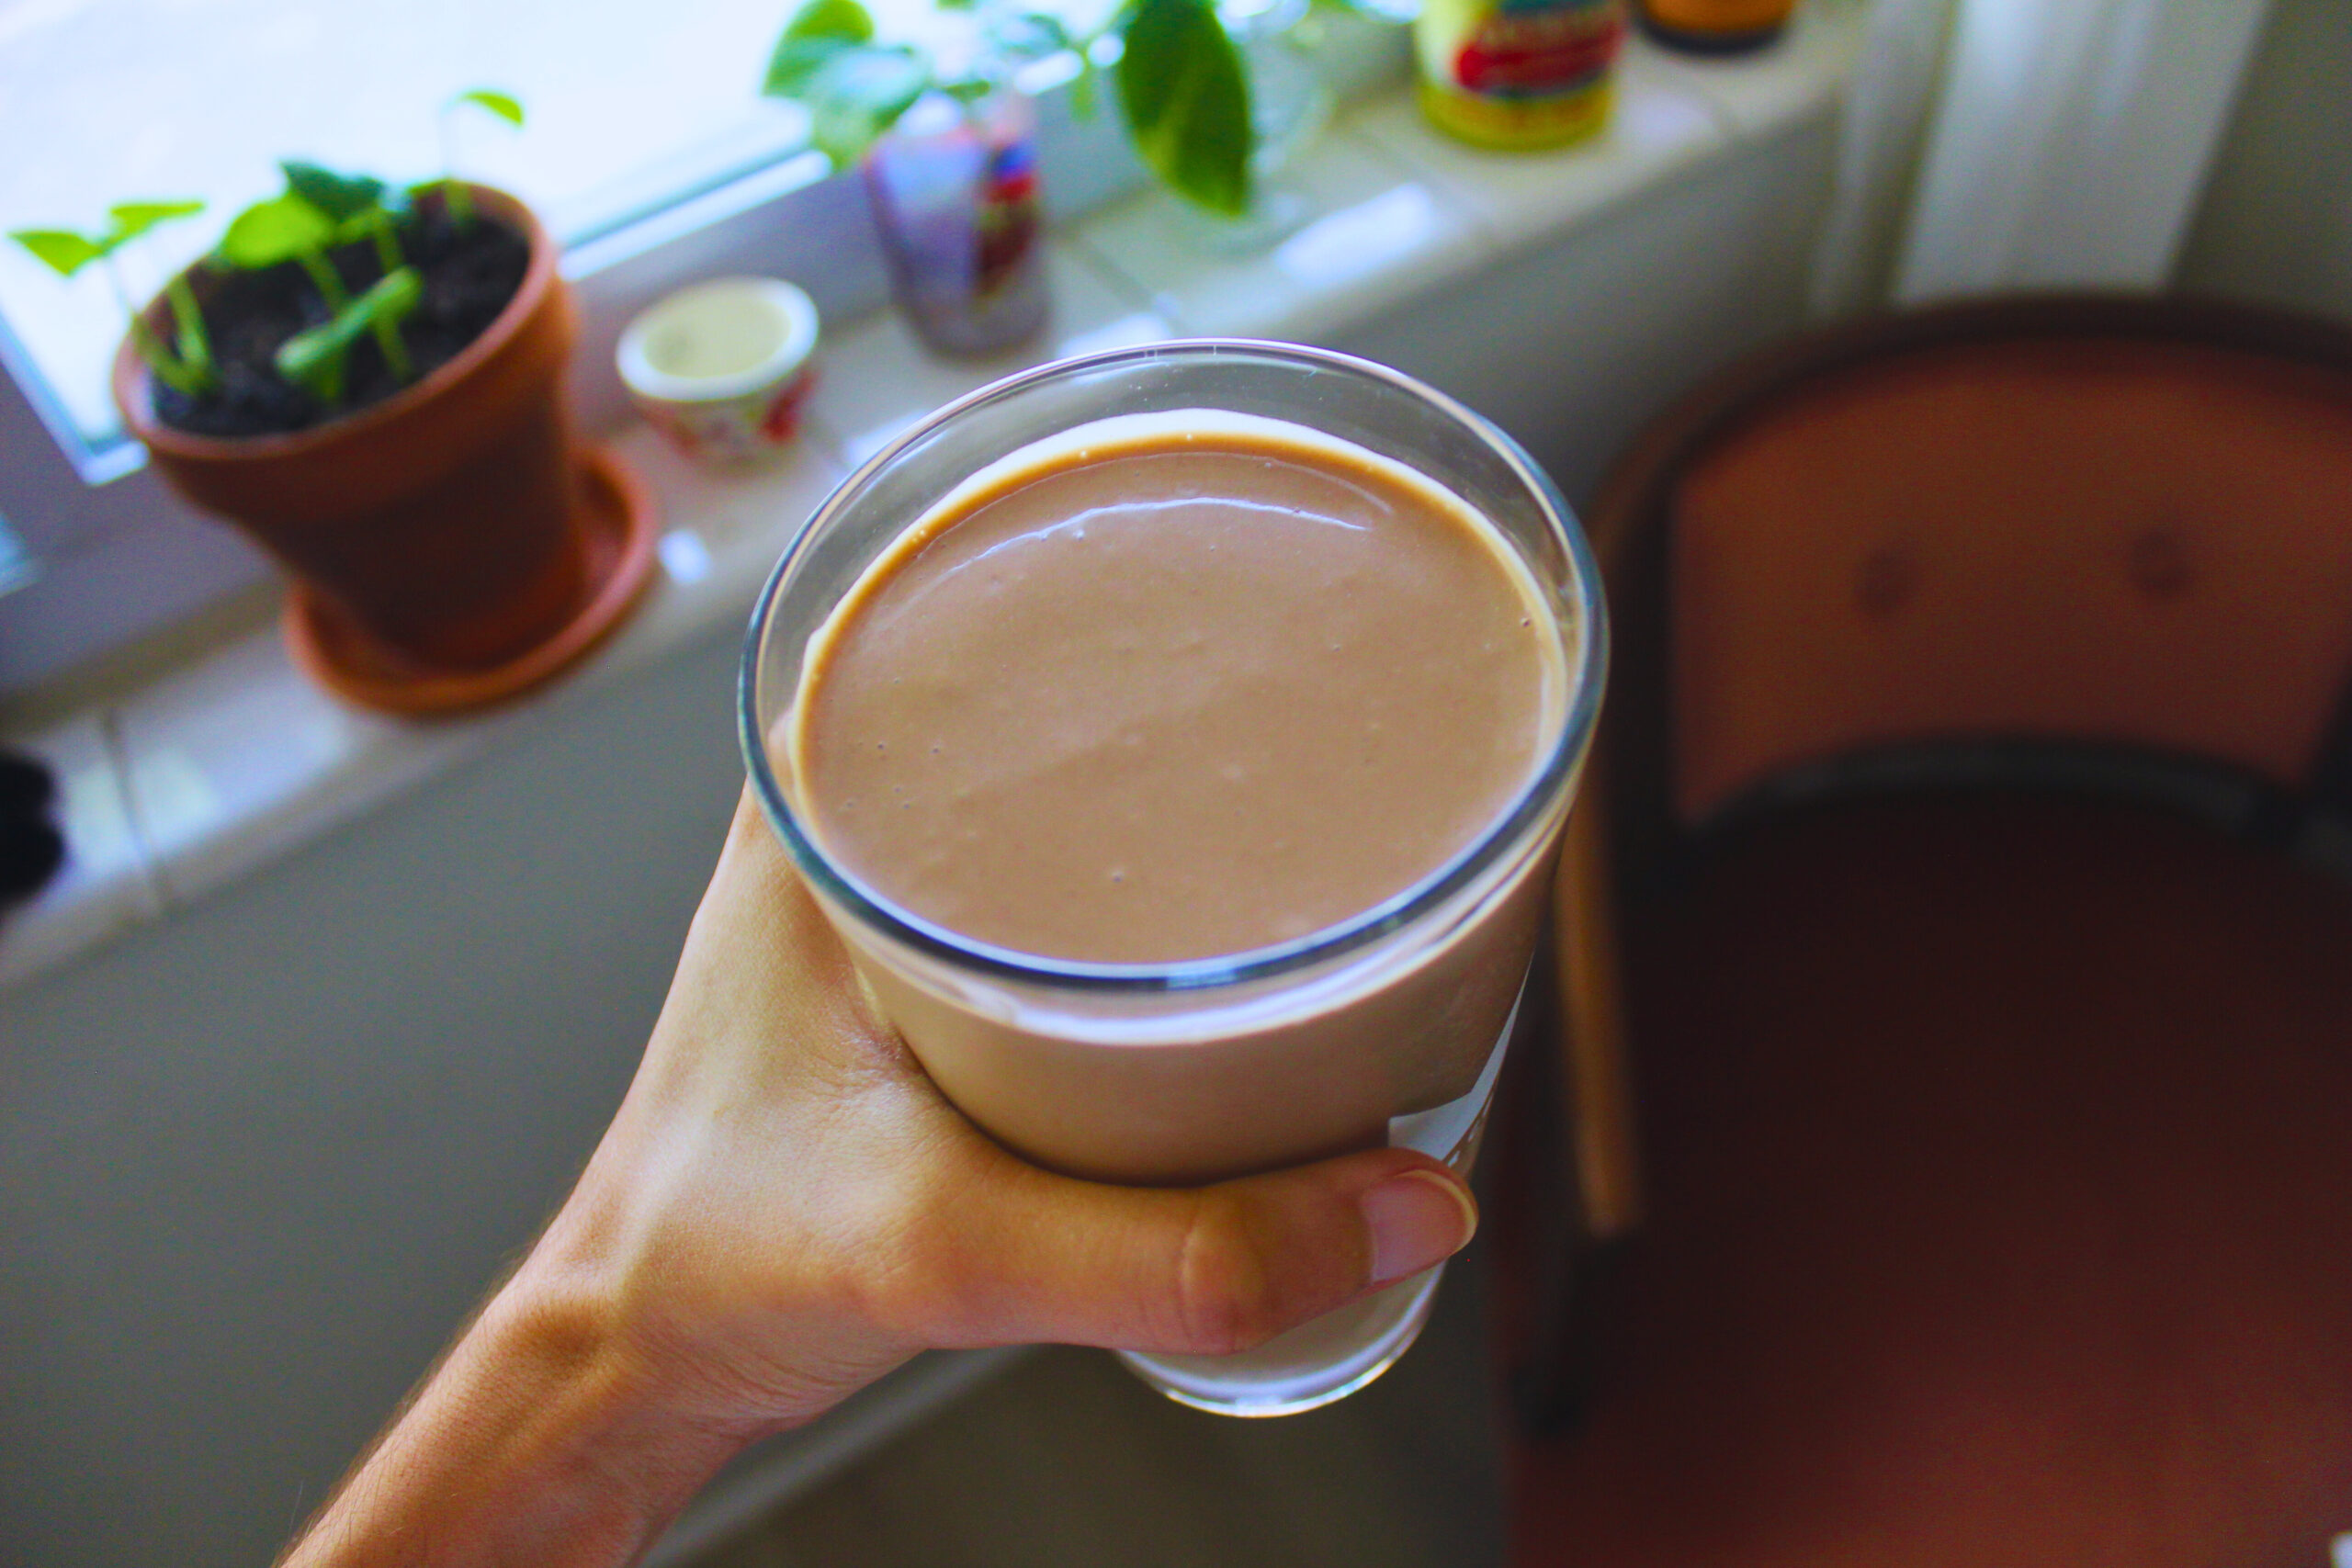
(1387,1028)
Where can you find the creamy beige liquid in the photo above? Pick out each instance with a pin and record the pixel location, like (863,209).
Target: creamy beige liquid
(1174,685)
(1169,691)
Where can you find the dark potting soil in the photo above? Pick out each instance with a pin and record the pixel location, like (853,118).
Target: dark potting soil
(469,275)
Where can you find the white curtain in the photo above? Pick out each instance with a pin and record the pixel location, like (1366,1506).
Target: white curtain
(1993,144)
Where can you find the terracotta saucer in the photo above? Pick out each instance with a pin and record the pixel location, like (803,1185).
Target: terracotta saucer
(618,521)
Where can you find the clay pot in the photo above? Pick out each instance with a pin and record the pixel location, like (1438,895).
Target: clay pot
(438,525)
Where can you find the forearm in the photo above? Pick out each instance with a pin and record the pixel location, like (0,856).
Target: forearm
(540,1440)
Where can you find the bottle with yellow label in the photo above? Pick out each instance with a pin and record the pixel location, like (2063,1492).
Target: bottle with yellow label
(1518,74)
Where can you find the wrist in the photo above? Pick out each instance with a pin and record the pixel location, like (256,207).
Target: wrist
(543,1437)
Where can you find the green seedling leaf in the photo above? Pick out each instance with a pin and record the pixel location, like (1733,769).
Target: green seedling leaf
(62,249)
(341,196)
(818,31)
(187,320)
(126,220)
(284,228)
(1186,99)
(858,94)
(314,359)
(505,106)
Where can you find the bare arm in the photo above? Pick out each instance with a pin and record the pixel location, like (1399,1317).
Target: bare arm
(784,1208)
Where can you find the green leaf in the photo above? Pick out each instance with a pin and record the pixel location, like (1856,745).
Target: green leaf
(65,252)
(845,20)
(313,359)
(818,31)
(341,196)
(1186,99)
(126,220)
(274,230)
(859,94)
(505,106)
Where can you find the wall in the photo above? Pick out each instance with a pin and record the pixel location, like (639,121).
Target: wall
(2275,221)
(257,1162)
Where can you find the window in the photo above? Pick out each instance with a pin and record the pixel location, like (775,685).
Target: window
(648,152)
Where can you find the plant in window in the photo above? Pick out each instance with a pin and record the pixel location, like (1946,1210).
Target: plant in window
(184,364)
(366,380)
(1183,90)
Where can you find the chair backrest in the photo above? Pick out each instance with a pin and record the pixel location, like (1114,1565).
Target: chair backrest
(2093,541)
(2104,521)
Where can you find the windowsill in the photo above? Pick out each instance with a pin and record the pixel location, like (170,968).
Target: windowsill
(231,760)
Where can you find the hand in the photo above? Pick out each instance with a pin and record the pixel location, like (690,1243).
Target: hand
(785,1208)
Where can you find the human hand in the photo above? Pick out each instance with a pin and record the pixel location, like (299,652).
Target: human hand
(784,1209)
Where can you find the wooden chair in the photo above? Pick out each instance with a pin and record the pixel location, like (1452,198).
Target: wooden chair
(1955,923)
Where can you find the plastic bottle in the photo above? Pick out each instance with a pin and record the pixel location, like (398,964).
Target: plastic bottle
(1518,74)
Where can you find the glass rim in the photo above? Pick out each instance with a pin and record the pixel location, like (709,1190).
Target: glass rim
(1588,662)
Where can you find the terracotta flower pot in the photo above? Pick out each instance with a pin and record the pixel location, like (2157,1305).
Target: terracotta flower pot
(440,528)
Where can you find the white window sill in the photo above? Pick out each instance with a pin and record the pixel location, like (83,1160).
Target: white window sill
(234,759)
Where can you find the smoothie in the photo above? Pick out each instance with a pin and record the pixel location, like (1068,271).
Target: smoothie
(1169,694)
(1168,687)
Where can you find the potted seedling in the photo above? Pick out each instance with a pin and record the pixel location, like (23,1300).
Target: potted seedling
(367,380)
(947,147)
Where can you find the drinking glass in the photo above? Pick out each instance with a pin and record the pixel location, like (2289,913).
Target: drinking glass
(1388,1027)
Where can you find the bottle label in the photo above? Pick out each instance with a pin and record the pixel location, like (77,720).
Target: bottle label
(1538,51)
(1519,73)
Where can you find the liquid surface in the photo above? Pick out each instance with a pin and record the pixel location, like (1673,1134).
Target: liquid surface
(1161,695)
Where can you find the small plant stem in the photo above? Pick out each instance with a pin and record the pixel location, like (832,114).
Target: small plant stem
(328,281)
(387,245)
(455,201)
(195,344)
(191,374)
(388,333)
(388,339)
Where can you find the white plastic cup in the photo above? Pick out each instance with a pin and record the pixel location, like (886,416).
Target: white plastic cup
(722,369)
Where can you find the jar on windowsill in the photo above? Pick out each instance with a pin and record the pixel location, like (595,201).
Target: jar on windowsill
(954,190)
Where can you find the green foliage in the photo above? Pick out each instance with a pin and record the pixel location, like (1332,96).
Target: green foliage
(854,89)
(816,32)
(282,228)
(319,208)
(189,366)
(341,196)
(1183,88)
(505,106)
(858,94)
(455,200)
(64,251)
(126,220)
(315,359)
(1186,98)
(67,253)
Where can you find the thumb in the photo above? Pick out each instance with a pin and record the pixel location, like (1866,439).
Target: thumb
(1208,1270)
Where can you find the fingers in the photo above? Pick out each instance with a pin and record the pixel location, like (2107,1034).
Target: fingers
(1024,1256)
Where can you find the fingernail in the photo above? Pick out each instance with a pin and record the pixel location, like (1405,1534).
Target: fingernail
(1417,1220)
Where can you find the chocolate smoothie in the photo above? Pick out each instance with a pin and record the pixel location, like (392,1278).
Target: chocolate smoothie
(1173,687)
(1175,694)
